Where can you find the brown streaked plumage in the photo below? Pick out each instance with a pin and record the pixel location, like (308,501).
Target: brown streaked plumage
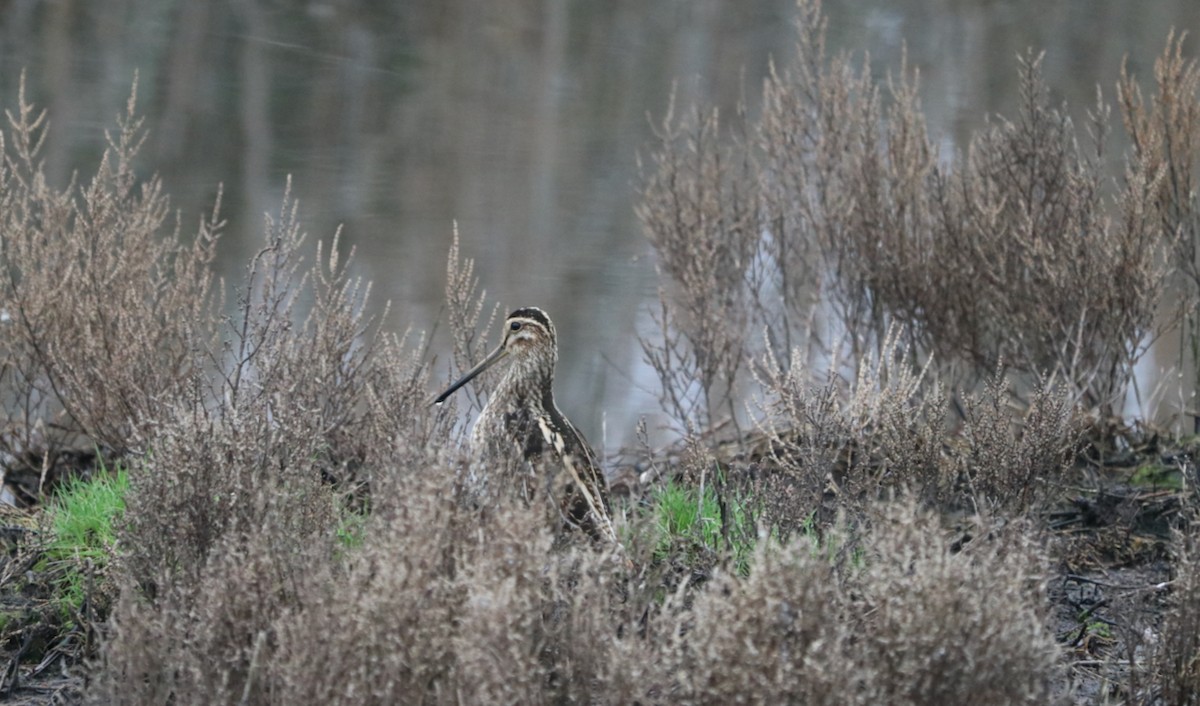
(521,417)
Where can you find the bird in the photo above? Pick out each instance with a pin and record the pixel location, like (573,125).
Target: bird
(522,422)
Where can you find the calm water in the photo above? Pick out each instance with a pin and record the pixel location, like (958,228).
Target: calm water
(520,120)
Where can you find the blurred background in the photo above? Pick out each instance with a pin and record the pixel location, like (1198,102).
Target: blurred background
(522,121)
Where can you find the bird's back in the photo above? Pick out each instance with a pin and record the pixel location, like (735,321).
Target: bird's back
(523,432)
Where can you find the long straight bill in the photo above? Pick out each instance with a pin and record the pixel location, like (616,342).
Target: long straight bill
(483,365)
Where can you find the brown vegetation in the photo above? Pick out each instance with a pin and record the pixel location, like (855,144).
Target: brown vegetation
(840,217)
(104,361)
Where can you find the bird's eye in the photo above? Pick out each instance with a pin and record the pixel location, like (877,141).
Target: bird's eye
(515,326)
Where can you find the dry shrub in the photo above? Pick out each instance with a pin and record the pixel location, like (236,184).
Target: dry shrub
(1177,658)
(1165,135)
(284,408)
(231,540)
(538,625)
(841,216)
(906,619)
(607,624)
(209,477)
(779,636)
(440,604)
(396,430)
(236,587)
(1008,252)
(883,432)
(946,626)
(210,639)
(465,303)
(845,172)
(1013,454)
(1060,279)
(446,605)
(235,492)
(378,629)
(699,207)
(890,430)
(105,305)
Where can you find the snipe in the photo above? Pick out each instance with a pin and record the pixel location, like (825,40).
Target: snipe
(521,419)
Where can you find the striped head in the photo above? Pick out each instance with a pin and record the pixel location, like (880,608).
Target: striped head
(529,340)
(527,332)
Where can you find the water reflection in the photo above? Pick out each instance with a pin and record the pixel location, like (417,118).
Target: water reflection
(521,120)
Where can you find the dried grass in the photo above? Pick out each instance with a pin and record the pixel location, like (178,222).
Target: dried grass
(880,434)
(1176,663)
(699,205)
(105,303)
(1165,135)
(901,618)
(840,220)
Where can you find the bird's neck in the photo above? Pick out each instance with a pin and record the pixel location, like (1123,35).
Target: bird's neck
(529,380)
